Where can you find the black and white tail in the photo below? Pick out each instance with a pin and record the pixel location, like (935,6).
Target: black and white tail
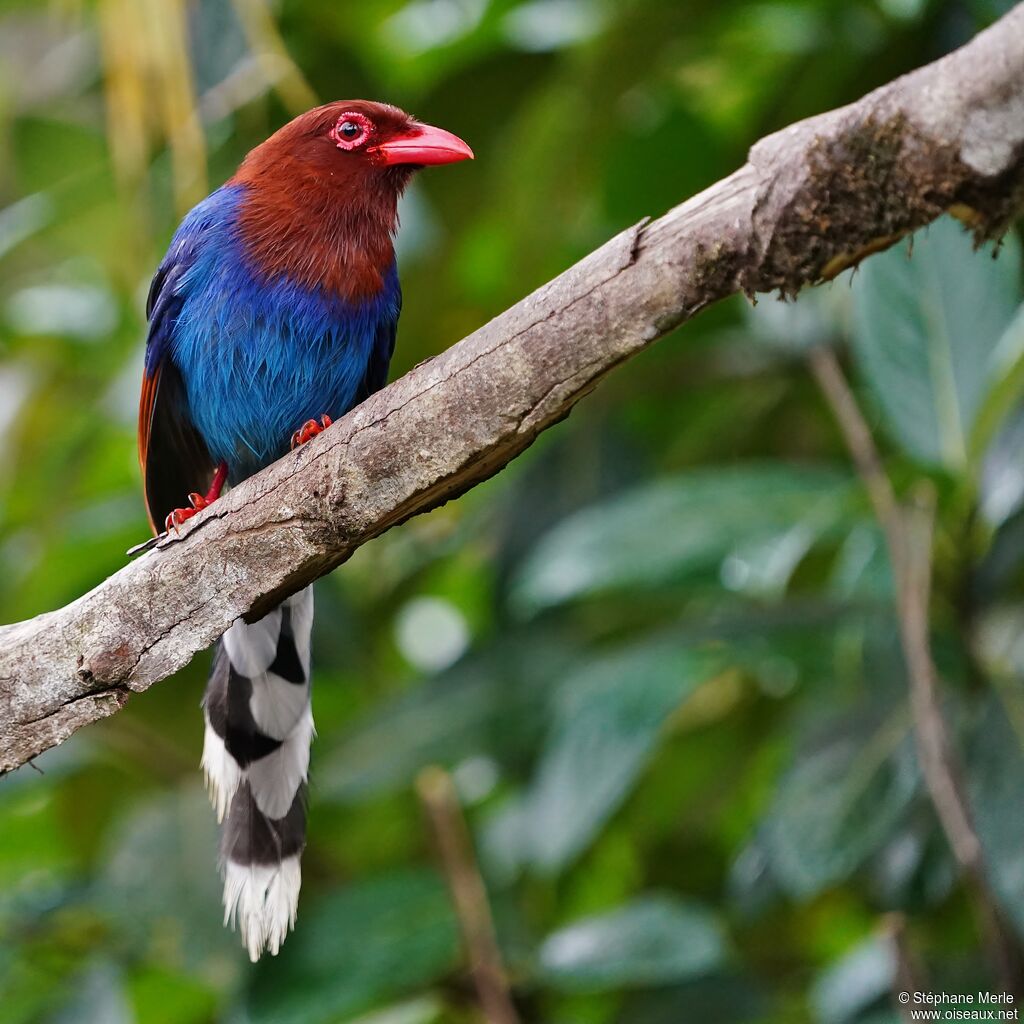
(259,726)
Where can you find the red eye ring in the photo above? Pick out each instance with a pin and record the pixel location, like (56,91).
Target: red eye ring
(351,130)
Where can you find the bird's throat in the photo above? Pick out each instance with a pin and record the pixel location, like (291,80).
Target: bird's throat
(321,235)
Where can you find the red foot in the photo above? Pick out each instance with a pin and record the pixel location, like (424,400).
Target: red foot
(198,501)
(310,429)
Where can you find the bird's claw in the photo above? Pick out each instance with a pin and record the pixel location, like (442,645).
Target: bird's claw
(181,515)
(310,429)
(176,518)
(197,501)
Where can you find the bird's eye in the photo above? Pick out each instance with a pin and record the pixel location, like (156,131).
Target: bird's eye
(351,130)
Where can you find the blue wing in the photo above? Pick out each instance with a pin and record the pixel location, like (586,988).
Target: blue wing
(376,375)
(173,455)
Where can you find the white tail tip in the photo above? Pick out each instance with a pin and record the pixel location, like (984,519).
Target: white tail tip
(262,899)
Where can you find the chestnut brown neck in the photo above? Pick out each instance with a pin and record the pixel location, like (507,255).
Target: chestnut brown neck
(321,223)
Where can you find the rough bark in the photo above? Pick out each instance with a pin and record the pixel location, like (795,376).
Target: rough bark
(811,200)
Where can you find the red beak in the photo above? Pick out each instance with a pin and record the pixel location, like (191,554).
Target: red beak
(423,144)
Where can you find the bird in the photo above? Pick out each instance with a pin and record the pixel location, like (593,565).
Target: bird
(272,314)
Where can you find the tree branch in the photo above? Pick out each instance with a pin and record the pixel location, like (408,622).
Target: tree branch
(469,895)
(812,199)
(908,537)
(909,976)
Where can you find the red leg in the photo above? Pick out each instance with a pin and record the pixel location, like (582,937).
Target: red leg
(310,429)
(198,501)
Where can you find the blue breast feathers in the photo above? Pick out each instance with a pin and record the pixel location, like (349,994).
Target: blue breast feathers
(260,358)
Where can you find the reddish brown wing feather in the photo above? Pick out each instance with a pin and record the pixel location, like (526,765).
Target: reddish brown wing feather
(147,402)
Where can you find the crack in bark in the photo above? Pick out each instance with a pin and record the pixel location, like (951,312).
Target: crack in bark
(113,690)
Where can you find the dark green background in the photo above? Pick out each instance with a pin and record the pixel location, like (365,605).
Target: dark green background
(657,653)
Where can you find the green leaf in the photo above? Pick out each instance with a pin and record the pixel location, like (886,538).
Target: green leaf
(654,940)
(914,867)
(1002,472)
(859,979)
(490,704)
(839,802)
(751,523)
(368,943)
(424,1010)
(161,885)
(721,998)
(926,332)
(996,785)
(503,839)
(752,889)
(23,219)
(607,723)
(862,569)
(166,997)
(1006,389)
(34,855)
(817,316)
(99,999)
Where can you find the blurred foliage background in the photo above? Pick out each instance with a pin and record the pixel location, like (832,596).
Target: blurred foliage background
(657,654)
